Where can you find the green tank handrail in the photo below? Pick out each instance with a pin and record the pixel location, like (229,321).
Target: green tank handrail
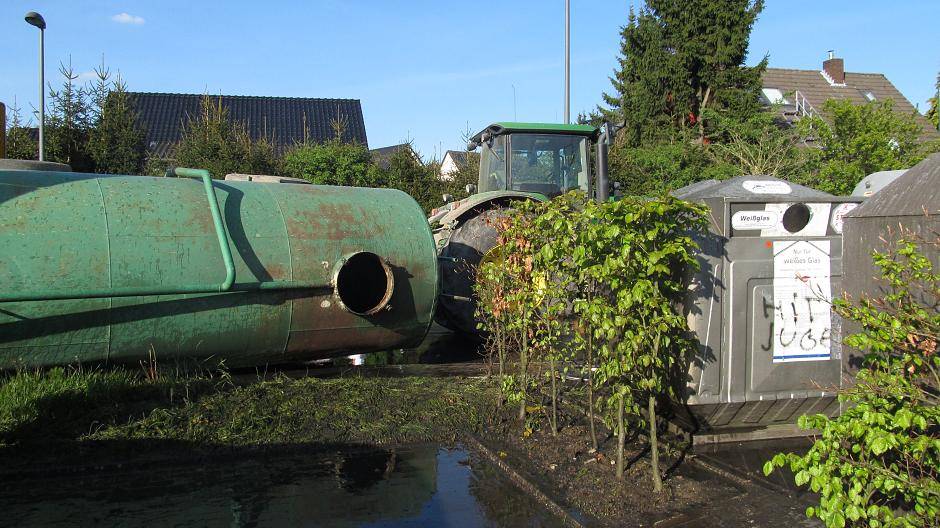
(133,291)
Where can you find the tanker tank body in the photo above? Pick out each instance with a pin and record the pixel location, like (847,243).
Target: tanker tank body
(111,268)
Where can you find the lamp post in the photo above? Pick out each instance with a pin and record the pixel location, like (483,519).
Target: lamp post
(567,62)
(35,19)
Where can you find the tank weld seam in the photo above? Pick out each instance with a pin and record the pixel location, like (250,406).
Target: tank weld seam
(290,268)
(107,237)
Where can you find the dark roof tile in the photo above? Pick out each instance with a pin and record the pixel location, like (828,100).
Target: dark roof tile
(282,120)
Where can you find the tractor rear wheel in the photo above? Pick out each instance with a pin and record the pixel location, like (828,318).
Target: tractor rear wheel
(456,307)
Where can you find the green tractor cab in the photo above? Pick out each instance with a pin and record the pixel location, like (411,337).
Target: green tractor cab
(519,161)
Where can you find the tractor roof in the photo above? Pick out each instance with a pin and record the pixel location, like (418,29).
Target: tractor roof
(505,127)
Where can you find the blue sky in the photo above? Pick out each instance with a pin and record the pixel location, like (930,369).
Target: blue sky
(427,70)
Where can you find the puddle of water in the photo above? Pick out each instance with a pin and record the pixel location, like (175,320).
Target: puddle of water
(402,487)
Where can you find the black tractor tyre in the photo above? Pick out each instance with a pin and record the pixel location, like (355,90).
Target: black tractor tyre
(456,307)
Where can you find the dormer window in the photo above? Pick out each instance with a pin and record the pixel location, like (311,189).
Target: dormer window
(774,96)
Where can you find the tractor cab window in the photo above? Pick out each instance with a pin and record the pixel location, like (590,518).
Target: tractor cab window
(493,165)
(549,164)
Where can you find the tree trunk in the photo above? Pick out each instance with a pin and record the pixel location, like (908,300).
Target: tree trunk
(621,438)
(554,401)
(654,445)
(501,348)
(523,367)
(590,388)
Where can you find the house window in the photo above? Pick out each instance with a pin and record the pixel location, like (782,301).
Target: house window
(774,96)
(869,95)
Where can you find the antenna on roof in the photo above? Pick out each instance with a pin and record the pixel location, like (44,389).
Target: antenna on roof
(832,53)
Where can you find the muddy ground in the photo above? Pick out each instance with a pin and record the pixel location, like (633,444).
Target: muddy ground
(89,423)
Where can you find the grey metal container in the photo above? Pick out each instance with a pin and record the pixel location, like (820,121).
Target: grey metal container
(911,202)
(769,346)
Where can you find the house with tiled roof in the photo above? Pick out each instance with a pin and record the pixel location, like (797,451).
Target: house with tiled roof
(382,156)
(801,93)
(453,161)
(284,121)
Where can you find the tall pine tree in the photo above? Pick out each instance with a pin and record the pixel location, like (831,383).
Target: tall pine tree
(117,143)
(679,57)
(20,144)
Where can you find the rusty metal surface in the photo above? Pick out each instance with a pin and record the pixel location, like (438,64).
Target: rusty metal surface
(61,230)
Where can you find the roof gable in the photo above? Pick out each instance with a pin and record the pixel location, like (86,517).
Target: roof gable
(285,121)
(814,86)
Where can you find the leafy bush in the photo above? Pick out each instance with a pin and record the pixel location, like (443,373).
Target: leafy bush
(577,280)
(333,163)
(859,140)
(656,169)
(878,463)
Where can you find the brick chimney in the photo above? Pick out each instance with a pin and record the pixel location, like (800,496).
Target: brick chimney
(834,68)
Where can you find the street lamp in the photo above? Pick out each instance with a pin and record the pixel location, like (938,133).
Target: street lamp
(35,19)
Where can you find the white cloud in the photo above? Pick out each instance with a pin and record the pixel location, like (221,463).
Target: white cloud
(126,18)
(87,76)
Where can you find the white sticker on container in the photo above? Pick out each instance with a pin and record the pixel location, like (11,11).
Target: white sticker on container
(766,187)
(817,225)
(838,216)
(754,219)
(802,329)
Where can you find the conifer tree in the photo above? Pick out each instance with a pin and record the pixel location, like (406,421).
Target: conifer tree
(678,58)
(213,140)
(68,122)
(20,144)
(117,143)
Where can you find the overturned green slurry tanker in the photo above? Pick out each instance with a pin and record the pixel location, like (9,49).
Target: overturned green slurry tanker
(110,268)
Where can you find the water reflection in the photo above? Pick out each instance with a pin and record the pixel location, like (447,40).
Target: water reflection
(411,486)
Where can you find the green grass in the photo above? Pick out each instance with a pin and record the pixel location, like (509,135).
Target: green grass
(207,409)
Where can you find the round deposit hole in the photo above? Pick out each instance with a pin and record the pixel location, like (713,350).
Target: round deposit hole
(796,217)
(364,283)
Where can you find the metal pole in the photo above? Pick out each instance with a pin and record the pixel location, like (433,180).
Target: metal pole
(3,131)
(42,93)
(567,61)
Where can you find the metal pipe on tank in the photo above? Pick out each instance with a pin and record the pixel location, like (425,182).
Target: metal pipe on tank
(105,268)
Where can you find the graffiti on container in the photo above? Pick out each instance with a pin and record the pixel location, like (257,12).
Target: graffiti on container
(802,321)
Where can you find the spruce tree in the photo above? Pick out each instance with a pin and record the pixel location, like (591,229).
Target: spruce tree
(68,122)
(117,143)
(214,141)
(20,144)
(678,58)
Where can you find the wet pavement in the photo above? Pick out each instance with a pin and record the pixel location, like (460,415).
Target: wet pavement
(410,486)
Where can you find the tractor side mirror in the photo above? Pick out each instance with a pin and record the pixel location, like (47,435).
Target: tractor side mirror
(471,188)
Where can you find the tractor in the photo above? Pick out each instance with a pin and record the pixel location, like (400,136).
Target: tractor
(519,161)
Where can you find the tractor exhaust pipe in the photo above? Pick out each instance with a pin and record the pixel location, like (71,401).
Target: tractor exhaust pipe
(602,192)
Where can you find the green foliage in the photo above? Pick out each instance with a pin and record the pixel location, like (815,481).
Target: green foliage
(858,140)
(933,113)
(406,172)
(333,163)
(654,170)
(213,141)
(878,463)
(758,145)
(679,57)
(573,279)
(116,143)
(68,123)
(20,145)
